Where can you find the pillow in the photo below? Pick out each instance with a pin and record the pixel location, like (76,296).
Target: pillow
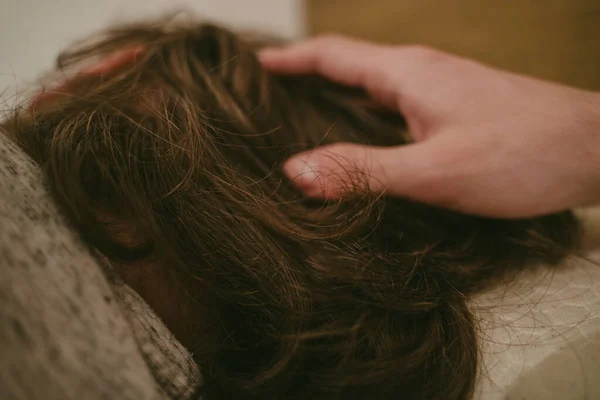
(64,332)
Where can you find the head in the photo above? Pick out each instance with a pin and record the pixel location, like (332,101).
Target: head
(171,166)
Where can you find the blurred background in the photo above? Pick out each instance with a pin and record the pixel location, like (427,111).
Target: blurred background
(32,32)
(552,39)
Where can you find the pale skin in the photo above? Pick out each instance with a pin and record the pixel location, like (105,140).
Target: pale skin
(488,142)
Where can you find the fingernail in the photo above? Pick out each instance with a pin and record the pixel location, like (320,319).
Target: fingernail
(268,53)
(303,172)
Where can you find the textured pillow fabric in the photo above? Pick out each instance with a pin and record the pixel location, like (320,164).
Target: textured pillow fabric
(170,363)
(66,332)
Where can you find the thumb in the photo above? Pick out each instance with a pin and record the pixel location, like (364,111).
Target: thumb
(330,171)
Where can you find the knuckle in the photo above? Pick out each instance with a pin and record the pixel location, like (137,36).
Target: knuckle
(424,53)
(327,50)
(330,41)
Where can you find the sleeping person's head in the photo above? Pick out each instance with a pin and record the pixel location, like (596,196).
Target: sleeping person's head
(171,166)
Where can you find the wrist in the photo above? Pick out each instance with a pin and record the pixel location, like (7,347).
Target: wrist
(590,119)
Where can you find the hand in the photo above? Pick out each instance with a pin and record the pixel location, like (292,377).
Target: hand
(488,142)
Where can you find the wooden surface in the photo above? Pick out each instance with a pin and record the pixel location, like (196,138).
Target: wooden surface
(553,39)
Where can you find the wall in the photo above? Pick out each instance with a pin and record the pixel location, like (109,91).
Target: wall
(32,32)
(552,39)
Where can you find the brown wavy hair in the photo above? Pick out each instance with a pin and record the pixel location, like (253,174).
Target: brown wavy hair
(365,297)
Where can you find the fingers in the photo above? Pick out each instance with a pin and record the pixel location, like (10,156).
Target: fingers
(389,74)
(330,171)
(345,61)
(114,61)
(110,63)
